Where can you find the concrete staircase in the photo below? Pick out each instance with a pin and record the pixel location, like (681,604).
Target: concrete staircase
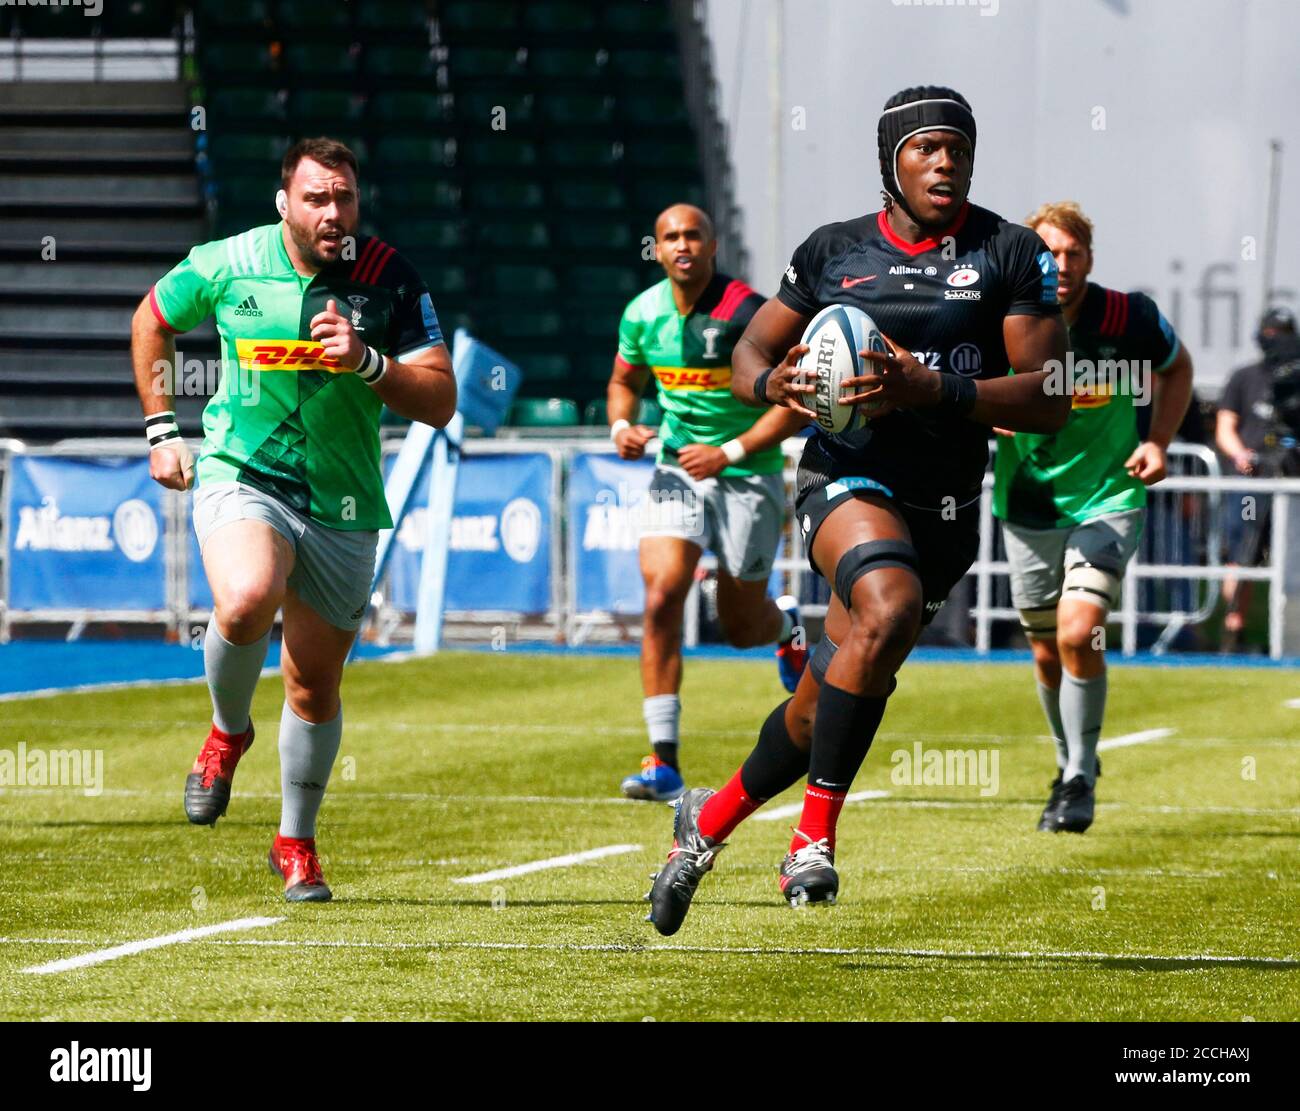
(104,172)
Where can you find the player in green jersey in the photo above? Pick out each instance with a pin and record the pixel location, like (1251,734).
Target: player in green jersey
(717,482)
(1072,503)
(320,328)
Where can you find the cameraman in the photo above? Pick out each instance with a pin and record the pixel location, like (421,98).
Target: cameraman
(1248,431)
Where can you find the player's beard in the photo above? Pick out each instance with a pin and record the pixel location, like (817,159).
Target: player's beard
(306,240)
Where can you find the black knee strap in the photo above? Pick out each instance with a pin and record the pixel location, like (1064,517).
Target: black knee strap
(821,657)
(860,559)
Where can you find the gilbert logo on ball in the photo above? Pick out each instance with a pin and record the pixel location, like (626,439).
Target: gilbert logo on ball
(834,337)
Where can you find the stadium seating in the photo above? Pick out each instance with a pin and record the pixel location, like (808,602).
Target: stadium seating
(516,143)
(516,152)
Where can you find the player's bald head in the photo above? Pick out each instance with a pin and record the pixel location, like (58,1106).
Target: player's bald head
(681,217)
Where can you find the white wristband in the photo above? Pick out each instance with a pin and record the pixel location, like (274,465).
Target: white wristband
(617,427)
(735,451)
(161,428)
(373,367)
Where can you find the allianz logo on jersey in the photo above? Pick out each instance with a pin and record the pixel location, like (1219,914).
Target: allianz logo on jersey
(133,530)
(517,531)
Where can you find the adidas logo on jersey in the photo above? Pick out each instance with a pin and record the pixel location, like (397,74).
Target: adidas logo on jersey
(248,307)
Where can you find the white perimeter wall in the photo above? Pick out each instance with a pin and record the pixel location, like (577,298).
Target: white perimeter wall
(1192,91)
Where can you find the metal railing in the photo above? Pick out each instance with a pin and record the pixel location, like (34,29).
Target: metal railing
(1172,582)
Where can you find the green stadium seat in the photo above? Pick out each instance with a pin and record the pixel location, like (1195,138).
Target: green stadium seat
(408,20)
(389,107)
(547,368)
(498,151)
(319,61)
(518,282)
(559,63)
(140,19)
(657,110)
(444,282)
(587,194)
(409,193)
(543,412)
(400,63)
(479,17)
(560,17)
(481,109)
(577,109)
(593,154)
(602,281)
(513,235)
(246,107)
(635,67)
(316,18)
(647,411)
(399,150)
(637,18)
(237,61)
(506,194)
(415,234)
(325,109)
(247,193)
(477,63)
(681,155)
(526,325)
(236,149)
(594,235)
(241,15)
(653,195)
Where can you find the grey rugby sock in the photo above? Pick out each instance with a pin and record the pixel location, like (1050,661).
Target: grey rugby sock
(307,753)
(1083,705)
(232,671)
(1050,697)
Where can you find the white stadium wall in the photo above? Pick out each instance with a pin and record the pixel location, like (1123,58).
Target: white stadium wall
(1155,115)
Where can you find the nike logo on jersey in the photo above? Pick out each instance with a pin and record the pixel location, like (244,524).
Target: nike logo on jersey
(849,283)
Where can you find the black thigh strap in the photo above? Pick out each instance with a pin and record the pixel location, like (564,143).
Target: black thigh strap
(861,558)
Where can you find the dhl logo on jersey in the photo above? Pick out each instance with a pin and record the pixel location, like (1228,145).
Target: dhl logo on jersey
(1091,397)
(283,354)
(694,377)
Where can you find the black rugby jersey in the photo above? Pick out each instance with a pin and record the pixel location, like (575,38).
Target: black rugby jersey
(945,302)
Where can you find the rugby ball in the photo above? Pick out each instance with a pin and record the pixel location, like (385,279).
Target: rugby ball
(834,337)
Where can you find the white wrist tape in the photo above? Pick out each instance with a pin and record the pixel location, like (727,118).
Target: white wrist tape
(373,367)
(735,451)
(617,427)
(161,429)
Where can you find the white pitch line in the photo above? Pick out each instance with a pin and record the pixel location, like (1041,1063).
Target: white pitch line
(1139,738)
(552,862)
(738,950)
(85,960)
(793,809)
(1292,703)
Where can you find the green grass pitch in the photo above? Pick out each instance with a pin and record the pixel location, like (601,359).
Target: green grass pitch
(1180,903)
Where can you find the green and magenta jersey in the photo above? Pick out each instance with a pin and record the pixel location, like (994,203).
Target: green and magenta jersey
(1076,474)
(286,419)
(690,357)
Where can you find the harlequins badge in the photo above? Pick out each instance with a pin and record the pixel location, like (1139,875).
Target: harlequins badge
(356,301)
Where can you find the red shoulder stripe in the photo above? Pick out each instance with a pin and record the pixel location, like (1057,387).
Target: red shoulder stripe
(732,298)
(1122,323)
(1110,307)
(376,267)
(364,259)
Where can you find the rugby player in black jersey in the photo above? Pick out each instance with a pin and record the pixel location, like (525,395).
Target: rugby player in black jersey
(890,512)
